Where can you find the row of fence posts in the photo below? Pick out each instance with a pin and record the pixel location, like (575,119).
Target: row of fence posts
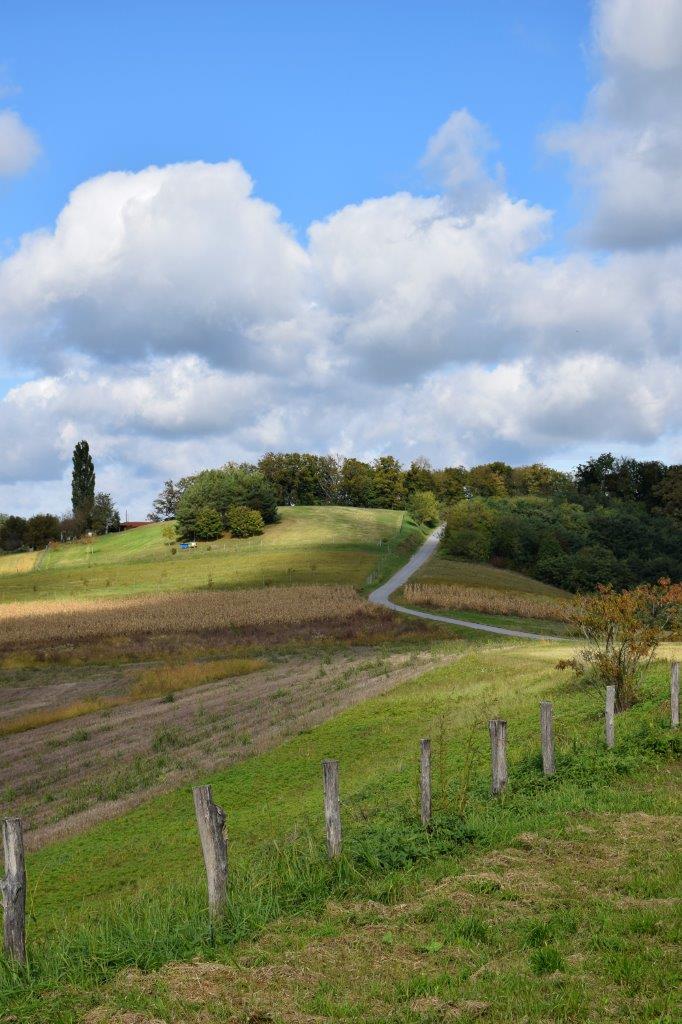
(211,818)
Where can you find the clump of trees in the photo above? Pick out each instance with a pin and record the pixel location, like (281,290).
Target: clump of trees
(19,534)
(208,501)
(571,544)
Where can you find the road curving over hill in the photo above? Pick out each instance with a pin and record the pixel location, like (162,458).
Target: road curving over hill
(382,596)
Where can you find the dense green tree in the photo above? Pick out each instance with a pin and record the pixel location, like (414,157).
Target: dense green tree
(105,517)
(420,477)
(389,489)
(13,533)
(208,523)
(450,484)
(667,495)
(244,522)
(165,505)
(488,481)
(357,483)
(563,543)
(83,484)
(40,530)
(423,507)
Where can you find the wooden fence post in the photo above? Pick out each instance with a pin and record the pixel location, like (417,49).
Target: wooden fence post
(425,781)
(547,736)
(498,742)
(675,695)
(332,813)
(13,888)
(211,823)
(609,713)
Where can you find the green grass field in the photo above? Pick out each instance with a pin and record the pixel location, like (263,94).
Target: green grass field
(440,569)
(126,869)
(309,545)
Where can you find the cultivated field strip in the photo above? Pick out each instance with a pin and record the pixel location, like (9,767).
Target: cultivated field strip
(72,620)
(487,600)
(69,775)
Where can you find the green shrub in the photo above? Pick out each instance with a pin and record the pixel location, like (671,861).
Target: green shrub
(244,522)
(208,524)
(423,508)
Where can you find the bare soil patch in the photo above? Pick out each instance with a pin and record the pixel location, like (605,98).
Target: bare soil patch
(65,776)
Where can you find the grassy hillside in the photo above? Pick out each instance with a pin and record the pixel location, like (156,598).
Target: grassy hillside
(137,884)
(441,569)
(309,545)
(376,743)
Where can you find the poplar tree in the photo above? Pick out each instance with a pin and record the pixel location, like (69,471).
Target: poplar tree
(83,483)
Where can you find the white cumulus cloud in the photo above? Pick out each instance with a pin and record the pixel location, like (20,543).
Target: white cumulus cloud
(174,319)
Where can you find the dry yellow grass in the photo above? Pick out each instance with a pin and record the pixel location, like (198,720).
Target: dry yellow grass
(46,716)
(488,601)
(23,562)
(155,682)
(195,611)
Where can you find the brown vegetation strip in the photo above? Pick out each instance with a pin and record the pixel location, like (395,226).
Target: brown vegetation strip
(154,682)
(194,611)
(487,601)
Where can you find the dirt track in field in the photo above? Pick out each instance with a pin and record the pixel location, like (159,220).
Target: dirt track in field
(64,777)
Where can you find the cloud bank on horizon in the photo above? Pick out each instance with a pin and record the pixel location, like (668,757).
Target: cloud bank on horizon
(173,318)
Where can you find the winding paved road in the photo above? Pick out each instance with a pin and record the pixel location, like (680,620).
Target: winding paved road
(382,596)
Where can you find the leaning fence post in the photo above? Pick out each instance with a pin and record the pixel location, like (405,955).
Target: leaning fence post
(547,736)
(332,813)
(425,781)
(498,742)
(211,823)
(675,695)
(609,713)
(13,888)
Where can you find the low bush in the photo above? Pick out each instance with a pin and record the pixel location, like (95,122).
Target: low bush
(244,522)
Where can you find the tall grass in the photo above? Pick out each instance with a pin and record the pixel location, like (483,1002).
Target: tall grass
(47,621)
(487,600)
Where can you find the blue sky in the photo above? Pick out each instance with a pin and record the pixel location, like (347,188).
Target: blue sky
(324,103)
(438,228)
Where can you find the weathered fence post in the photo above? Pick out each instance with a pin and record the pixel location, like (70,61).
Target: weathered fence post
(332,813)
(610,710)
(547,735)
(13,888)
(425,781)
(675,695)
(211,822)
(498,743)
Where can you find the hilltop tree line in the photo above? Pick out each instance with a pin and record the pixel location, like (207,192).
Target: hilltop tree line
(613,520)
(304,479)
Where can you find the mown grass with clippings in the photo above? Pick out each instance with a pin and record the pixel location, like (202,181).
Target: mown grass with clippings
(407,925)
